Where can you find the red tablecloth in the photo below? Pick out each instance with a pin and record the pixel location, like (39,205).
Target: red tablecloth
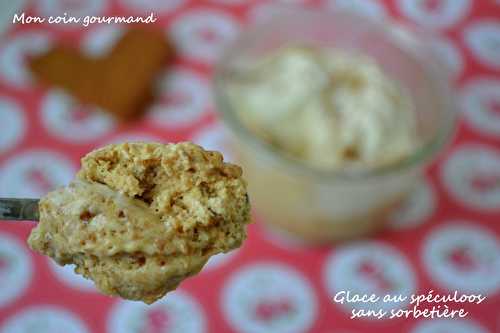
(445,238)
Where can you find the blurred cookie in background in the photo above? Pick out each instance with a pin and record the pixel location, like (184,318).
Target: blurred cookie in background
(120,82)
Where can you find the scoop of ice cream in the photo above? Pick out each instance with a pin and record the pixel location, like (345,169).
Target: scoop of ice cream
(141,217)
(327,108)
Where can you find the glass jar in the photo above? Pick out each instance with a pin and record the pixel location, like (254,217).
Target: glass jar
(325,206)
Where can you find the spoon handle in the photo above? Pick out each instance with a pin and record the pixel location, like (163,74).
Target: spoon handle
(18,209)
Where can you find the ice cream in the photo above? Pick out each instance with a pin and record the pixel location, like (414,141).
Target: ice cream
(327,108)
(141,217)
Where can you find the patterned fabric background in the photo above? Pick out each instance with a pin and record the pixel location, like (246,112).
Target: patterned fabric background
(445,238)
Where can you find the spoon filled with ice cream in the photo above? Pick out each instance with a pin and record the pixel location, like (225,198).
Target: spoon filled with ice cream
(139,218)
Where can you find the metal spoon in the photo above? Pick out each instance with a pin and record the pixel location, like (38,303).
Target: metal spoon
(19,209)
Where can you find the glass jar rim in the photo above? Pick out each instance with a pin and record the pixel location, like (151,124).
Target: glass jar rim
(400,36)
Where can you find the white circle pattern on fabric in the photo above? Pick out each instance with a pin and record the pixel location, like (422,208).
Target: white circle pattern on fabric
(77,9)
(264,11)
(14,54)
(176,313)
(480,102)
(153,6)
(32,174)
(269,297)
(369,268)
(371,8)
(66,274)
(449,54)
(471,174)
(15,269)
(72,122)
(416,208)
(219,260)
(483,39)
(100,40)
(437,14)
(184,96)
(215,137)
(44,319)
(202,34)
(463,257)
(12,125)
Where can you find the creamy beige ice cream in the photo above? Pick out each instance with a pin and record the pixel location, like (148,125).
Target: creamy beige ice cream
(141,217)
(326,108)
